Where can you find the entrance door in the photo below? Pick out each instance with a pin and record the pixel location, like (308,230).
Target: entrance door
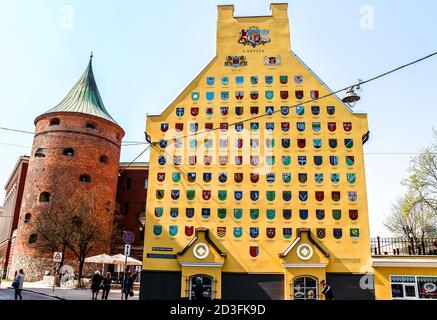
(201,287)
(305,288)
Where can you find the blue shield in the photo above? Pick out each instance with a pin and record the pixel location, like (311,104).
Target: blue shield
(175,194)
(303,214)
(333,160)
(302,160)
(330,110)
(316,126)
(254,232)
(239,111)
(189,212)
(338,233)
(287,232)
(303,195)
(210,81)
(286,214)
(317,143)
(164,127)
(223,177)
(195,96)
(224,111)
(157,230)
(333,143)
(270,110)
(269,95)
(335,178)
(210,96)
(351,178)
(254,80)
(286,195)
(206,212)
(285,110)
(163,144)
(159,212)
(300,110)
(239,79)
(254,195)
(180,112)
(320,214)
(302,177)
(174,212)
(270,160)
(286,160)
(238,195)
(285,143)
(238,232)
(270,177)
(194,127)
(239,127)
(315,110)
(300,126)
(225,81)
(173,230)
(318,177)
(238,213)
(348,143)
(207,176)
(269,79)
(270,126)
(176,176)
(224,95)
(318,160)
(191,176)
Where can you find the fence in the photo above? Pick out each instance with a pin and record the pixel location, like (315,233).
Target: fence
(403,247)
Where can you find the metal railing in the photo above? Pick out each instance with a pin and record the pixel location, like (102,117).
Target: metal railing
(403,247)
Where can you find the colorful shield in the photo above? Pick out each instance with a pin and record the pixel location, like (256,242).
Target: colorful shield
(239,111)
(210,81)
(350,160)
(254,143)
(283,79)
(254,232)
(254,251)
(191,194)
(239,80)
(180,112)
(347,126)
(285,126)
(164,127)
(315,110)
(223,177)
(224,111)
(238,195)
(330,110)
(159,212)
(303,196)
(225,81)
(163,144)
(238,213)
(333,160)
(300,110)
(195,96)
(338,233)
(159,194)
(352,196)
(318,177)
(318,160)
(161,176)
(335,195)
(316,126)
(353,214)
(254,95)
(270,143)
(332,126)
(179,127)
(300,126)
(284,94)
(254,195)
(320,195)
(239,95)
(254,160)
(270,213)
(301,143)
(299,94)
(335,178)
(314,94)
(321,233)
(222,195)
(177,160)
(223,143)
(286,177)
(238,177)
(271,232)
(287,232)
(221,232)
(194,111)
(239,143)
(193,143)
(270,195)
(209,110)
(238,232)
(189,212)
(254,126)
(207,160)
(298,79)
(206,194)
(320,214)
(286,195)
(269,95)
(303,214)
(270,126)
(254,177)
(157,229)
(254,111)
(285,110)
(351,178)
(173,230)
(207,177)
(354,233)
(189,230)
(302,160)
(239,127)
(302,177)
(194,127)
(317,143)
(286,160)
(221,213)
(254,214)
(175,194)
(223,160)
(336,214)
(206,213)
(254,80)
(268,79)
(269,110)
(333,143)
(224,95)
(191,176)
(270,177)
(348,143)
(270,160)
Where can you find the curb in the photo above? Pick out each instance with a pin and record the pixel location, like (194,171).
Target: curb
(44,294)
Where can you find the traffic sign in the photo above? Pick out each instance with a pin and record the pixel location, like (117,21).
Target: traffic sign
(128,237)
(127,250)
(57,256)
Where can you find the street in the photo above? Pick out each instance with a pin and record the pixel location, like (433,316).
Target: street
(8,294)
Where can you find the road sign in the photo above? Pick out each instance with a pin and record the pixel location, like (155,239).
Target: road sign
(57,256)
(128,237)
(127,250)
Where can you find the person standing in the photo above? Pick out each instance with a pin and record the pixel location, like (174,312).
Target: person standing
(128,285)
(327,291)
(18,284)
(96,282)
(106,286)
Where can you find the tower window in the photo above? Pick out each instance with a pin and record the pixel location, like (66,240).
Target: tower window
(104,159)
(44,197)
(68,152)
(33,238)
(27,218)
(39,153)
(91,125)
(85,178)
(55,122)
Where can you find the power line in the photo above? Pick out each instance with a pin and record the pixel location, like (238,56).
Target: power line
(130,163)
(16,130)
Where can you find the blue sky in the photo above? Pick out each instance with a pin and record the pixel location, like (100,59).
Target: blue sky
(146,52)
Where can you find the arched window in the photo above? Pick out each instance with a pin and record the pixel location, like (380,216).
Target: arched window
(55,121)
(104,159)
(91,125)
(27,218)
(85,178)
(68,152)
(201,285)
(305,288)
(33,238)
(39,153)
(44,197)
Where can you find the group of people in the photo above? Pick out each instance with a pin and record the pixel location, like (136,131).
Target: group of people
(100,282)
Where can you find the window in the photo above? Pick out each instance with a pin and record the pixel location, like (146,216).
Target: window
(412,287)
(44,197)
(201,285)
(128,183)
(55,122)
(68,152)
(39,153)
(85,178)
(27,218)
(33,238)
(126,208)
(91,125)
(146,183)
(305,288)
(104,159)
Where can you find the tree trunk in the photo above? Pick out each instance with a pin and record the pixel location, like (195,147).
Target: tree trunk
(81,263)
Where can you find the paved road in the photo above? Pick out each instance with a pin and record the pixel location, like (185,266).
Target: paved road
(8,294)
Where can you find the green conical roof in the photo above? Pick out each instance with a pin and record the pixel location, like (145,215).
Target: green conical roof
(84,97)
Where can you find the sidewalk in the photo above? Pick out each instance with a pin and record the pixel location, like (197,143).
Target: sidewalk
(67,293)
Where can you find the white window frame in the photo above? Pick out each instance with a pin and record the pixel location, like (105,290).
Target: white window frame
(316,294)
(190,292)
(415,283)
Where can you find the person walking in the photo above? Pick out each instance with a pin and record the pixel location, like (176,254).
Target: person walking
(128,285)
(106,286)
(327,291)
(96,282)
(18,284)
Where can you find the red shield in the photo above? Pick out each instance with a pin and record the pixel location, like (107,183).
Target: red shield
(332,126)
(189,230)
(208,126)
(254,95)
(194,111)
(192,160)
(239,160)
(336,195)
(179,127)
(254,251)
(254,177)
(206,194)
(239,95)
(284,95)
(347,126)
(223,160)
(207,160)
(353,214)
(161,176)
(301,143)
(253,111)
(320,195)
(239,143)
(254,160)
(271,232)
(224,126)
(285,126)
(299,94)
(238,177)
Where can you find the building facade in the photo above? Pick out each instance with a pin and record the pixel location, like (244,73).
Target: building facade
(257,181)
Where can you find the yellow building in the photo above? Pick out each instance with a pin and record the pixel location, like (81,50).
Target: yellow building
(257,183)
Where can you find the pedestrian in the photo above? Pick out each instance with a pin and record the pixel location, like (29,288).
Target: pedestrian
(128,285)
(199,289)
(327,291)
(106,286)
(96,282)
(18,284)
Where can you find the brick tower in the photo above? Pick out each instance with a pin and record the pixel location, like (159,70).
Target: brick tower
(76,148)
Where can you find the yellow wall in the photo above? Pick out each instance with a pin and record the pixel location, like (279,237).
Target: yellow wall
(347,255)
